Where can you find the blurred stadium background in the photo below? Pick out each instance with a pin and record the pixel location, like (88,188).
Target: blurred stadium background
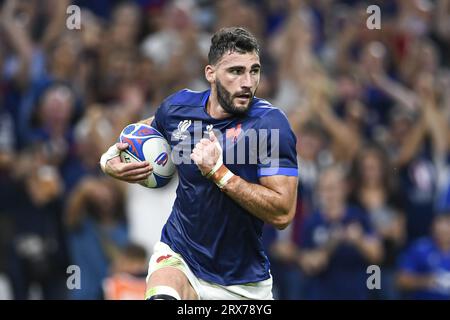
(371,110)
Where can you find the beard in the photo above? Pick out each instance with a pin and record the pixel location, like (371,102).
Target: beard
(225,99)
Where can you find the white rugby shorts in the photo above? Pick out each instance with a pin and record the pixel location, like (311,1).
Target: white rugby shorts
(164,256)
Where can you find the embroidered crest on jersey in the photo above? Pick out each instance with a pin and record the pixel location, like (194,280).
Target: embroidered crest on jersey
(180,133)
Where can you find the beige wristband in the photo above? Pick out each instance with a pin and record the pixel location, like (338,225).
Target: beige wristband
(221,176)
(215,168)
(227,177)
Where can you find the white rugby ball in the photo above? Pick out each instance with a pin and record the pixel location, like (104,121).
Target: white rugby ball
(145,143)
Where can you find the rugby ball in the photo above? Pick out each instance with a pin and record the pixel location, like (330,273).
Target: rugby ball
(147,143)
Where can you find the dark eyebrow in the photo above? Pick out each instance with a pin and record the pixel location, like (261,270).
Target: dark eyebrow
(256,65)
(236,68)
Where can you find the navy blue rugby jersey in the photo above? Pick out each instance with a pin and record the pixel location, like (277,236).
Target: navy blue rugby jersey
(220,241)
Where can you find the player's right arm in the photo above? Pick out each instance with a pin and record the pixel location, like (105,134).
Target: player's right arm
(129,172)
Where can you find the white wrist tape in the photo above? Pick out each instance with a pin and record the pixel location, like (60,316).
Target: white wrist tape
(215,168)
(112,152)
(223,182)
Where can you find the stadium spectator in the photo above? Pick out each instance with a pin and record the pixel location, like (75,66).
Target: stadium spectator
(424,268)
(37,250)
(97,230)
(374,189)
(338,243)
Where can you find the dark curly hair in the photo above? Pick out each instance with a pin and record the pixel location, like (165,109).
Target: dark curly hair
(233,39)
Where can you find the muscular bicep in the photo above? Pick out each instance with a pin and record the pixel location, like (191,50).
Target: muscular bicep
(273,199)
(285,187)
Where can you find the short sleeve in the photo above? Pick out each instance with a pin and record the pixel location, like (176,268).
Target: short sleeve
(277,146)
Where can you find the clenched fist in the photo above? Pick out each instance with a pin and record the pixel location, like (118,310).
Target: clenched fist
(207,154)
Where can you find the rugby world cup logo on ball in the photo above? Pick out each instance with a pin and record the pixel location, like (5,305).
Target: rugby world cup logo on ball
(147,143)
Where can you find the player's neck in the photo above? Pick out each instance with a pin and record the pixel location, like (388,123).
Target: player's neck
(214,109)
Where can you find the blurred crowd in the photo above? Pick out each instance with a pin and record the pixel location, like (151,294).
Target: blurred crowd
(371,110)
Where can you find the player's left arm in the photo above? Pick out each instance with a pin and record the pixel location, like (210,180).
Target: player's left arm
(273,200)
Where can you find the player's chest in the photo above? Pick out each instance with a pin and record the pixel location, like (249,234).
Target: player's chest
(238,139)
(235,135)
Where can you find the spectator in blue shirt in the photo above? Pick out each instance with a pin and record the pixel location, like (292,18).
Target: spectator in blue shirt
(338,243)
(424,269)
